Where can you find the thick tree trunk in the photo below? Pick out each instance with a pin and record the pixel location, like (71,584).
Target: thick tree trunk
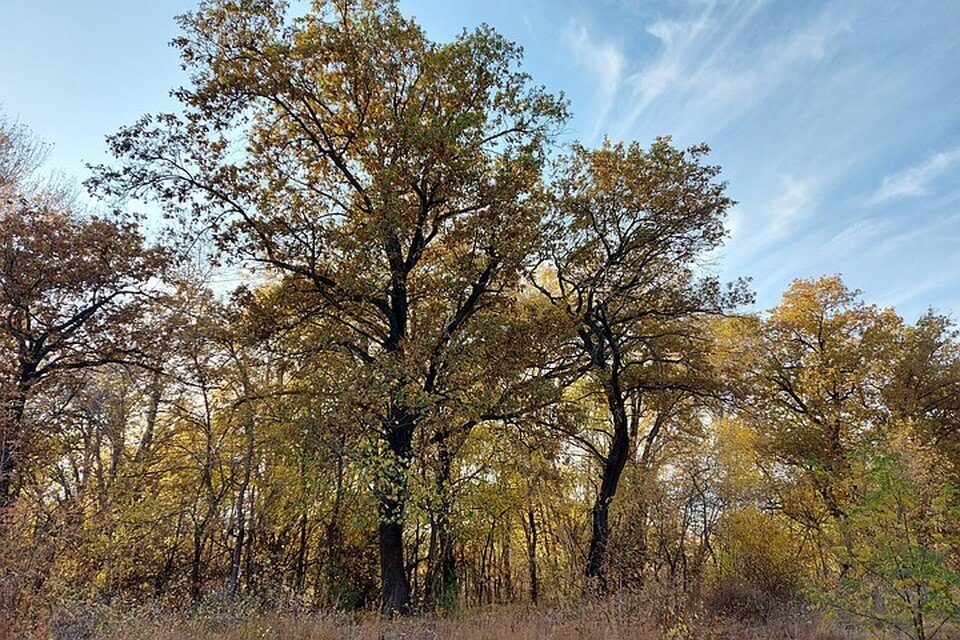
(613,465)
(394,586)
(392,490)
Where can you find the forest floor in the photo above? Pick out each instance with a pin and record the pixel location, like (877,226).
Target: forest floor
(488,627)
(581,621)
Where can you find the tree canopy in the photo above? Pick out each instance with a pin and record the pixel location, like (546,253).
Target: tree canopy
(474,363)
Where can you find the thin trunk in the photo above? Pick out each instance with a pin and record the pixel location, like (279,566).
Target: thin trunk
(237,556)
(199,541)
(442,584)
(116,425)
(163,576)
(200,527)
(153,410)
(531,531)
(249,567)
(919,628)
(442,580)
(195,565)
(486,559)
(300,571)
(646,473)
(506,566)
(334,538)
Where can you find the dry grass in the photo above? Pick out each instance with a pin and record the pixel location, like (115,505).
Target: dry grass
(489,626)
(611,620)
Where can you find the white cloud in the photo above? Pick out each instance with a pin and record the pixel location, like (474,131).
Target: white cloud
(710,70)
(773,222)
(910,291)
(605,62)
(792,204)
(680,41)
(916,180)
(861,234)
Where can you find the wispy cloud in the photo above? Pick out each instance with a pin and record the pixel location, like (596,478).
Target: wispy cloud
(861,234)
(777,221)
(801,102)
(915,180)
(705,76)
(605,62)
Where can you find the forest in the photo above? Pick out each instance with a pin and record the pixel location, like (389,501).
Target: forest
(462,379)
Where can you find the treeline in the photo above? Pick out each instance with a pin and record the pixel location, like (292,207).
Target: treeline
(469,365)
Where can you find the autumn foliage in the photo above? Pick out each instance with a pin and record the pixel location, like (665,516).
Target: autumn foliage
(472,373)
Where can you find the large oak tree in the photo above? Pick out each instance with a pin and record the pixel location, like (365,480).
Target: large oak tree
(394,179)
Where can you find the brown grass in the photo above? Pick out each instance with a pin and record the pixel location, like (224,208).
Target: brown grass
(610,620)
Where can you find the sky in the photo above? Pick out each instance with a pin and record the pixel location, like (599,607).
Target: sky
(837,124)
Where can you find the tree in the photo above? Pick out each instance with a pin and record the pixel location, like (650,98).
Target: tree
(924,389)
(633,224)
(815,370)
(394,179)
(901,532)
(69,290)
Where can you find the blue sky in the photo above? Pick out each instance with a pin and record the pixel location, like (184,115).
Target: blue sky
(837,123)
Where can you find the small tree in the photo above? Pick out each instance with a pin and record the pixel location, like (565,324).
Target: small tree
(900,574)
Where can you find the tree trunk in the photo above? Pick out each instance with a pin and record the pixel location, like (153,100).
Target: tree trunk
(919,628)
(11,423)
(153,410)
(166,572)
(196,570)
(442,582)
(646,465)
(200,539)
(394,586)
(506,567)
(237,556)
(334,537)
(613,465)
(391,497)
(300,569)
(531,531)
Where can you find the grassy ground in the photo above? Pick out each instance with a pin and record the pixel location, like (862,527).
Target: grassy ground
(613,620)
(510,626)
